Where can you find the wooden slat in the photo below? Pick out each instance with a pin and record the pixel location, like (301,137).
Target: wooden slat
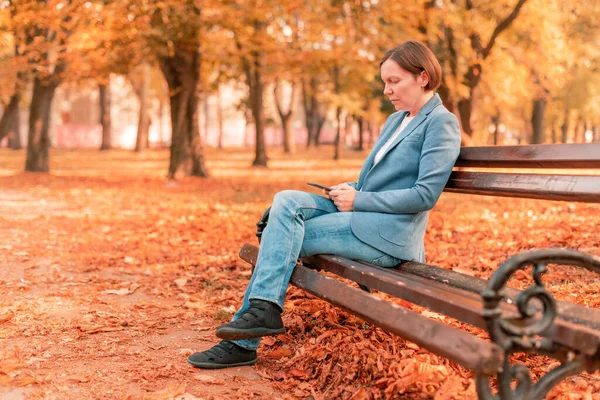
(453,302)
(454,344)
(531,156)
(584,188)
(567,311)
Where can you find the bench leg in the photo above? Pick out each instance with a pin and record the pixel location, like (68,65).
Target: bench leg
(522,334)
(525,389)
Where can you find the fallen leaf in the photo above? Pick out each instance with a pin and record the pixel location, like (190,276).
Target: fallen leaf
(118,292)
(209,379)
(168,393)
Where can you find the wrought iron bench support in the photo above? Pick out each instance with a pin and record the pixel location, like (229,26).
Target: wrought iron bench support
(523,334)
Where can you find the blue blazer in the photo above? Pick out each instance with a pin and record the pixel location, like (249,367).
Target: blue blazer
(394,197)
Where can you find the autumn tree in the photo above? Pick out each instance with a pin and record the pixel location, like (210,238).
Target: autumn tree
(141,79)
(44,30)
(562,33)
(10,122)
(576,103)
(286,114)
(350,58)
(288,67)
(550,79)
(13,80)
(462,34)
(104,48)
(171,30)
(313,74)
(111,46)
(251,25)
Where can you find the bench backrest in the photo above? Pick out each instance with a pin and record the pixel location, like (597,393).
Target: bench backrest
(498,171)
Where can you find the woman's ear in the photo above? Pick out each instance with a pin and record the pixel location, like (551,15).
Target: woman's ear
(423,79)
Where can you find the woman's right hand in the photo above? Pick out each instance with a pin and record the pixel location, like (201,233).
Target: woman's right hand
(342,196)
(341,186)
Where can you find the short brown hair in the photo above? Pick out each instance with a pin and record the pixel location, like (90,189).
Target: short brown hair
(414,57)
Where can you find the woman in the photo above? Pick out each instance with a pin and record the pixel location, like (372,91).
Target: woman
(380,218)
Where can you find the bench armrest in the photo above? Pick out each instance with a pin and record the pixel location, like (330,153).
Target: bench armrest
(531,323)
(521,333)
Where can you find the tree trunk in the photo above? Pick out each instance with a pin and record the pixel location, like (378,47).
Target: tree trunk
(580,130)
(465,109)
(495,123)
(361,141)
(553,132)
(371,128)
(337,144)
(446,96)
(220,117)
(38,141)
(308,117)
(105,119)
(182,73)
(9,124)
(565,126)
(314,119)
(161,107)
(144,121)
(247,124)
(206,107)
(256,105)
(448,57)
(473,75)
(537,121)
(289,143)
(14,140)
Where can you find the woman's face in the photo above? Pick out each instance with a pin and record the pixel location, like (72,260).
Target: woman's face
(402,88)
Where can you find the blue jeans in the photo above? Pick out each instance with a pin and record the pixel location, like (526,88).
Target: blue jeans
(300,225)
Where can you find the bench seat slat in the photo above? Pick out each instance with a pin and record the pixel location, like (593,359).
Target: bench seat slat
(531,156)
(567,311)
(581,188)
(453,302)
(454,344)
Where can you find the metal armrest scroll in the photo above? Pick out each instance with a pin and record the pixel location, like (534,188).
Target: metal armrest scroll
(522,333)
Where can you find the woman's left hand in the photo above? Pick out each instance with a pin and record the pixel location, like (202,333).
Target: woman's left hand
(343,197)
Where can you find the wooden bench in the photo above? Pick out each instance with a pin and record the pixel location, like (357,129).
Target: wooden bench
(529,320)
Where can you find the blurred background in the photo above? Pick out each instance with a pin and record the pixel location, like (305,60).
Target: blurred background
(185,74)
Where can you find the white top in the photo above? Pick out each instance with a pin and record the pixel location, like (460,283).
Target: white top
(389,142)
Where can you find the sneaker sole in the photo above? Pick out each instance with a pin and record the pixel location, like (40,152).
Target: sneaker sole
(209,365)
(237,334)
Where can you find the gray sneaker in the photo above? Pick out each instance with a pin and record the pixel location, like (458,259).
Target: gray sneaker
(224,354)
(262,318)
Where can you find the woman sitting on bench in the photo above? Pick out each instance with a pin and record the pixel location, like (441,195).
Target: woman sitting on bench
(380,218)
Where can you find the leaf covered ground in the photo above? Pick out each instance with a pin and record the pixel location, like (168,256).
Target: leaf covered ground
(111,275)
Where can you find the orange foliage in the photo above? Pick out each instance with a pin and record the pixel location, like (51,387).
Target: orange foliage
(110,276)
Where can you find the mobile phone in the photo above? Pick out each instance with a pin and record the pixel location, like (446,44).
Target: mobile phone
(318,185)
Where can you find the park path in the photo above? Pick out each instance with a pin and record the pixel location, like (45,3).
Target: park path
(75,331)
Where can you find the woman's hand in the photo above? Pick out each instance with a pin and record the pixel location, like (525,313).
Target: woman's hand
(342,196)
